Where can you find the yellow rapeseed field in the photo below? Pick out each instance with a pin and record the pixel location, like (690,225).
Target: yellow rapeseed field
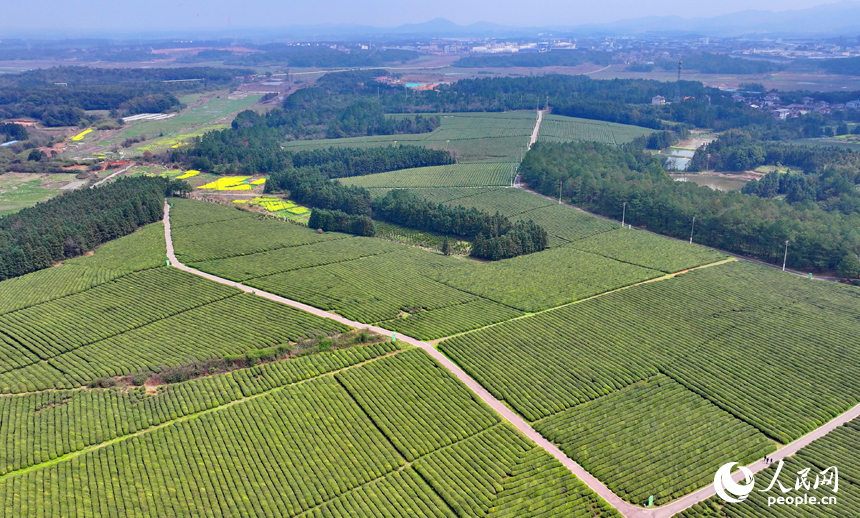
(81,135)
(229,183)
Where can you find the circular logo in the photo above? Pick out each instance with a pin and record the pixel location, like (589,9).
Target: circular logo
(728,489)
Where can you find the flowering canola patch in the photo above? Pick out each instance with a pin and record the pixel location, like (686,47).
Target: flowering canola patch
(284,208)
(81,135)
(229,183)
(188,174)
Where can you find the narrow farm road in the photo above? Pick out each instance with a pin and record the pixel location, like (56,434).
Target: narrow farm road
(103,180)
(788,450)
(536,131)
(626,509)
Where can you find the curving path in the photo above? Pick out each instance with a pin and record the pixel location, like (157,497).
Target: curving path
(626,509)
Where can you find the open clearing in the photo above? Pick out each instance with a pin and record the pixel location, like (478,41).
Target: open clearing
(19,190)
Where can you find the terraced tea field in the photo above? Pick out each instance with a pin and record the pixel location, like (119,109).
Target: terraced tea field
(558,128)
(334,445)
(641,440)
(471,137)
(372,280)
(650,362)
(836,449)
(454,175)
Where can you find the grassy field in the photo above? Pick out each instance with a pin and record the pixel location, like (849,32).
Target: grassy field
(557,128)
(212,112)
(471,137)
(455,175)
(20,190)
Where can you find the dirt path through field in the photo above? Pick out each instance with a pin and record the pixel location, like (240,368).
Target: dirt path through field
(103,180)
(536,131)
(626,509)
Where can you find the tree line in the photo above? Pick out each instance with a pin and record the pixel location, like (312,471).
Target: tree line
(349,209)
(331,162)
(308,186)
(344,162)
(339,221)
(60,96)
(74,223)
(12,131)
(495,237)
(556,58)
(602,178)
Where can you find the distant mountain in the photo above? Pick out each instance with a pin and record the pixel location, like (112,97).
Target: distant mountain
(833,19)
(841,18)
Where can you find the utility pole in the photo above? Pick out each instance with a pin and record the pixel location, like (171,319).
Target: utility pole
(623,214)
(559,192)
(692,229)
(785,258)
(677,98)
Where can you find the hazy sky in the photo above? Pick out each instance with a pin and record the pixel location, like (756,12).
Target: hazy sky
(65,15)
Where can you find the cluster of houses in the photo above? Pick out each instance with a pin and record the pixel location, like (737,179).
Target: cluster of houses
(774,105)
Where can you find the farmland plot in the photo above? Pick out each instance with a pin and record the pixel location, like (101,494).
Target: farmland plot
(563,224)
(141,250)
(472,137)
(561,358)
(326,447)
(558,128)
(653,438)
(454,175)
(45,425)
(836,449)
(648,250)
(232,325)
(246,234)
(539,281)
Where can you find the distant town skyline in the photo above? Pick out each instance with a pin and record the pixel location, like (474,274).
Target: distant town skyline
(158,15)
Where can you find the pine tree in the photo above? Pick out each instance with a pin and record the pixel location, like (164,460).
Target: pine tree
(447,249)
